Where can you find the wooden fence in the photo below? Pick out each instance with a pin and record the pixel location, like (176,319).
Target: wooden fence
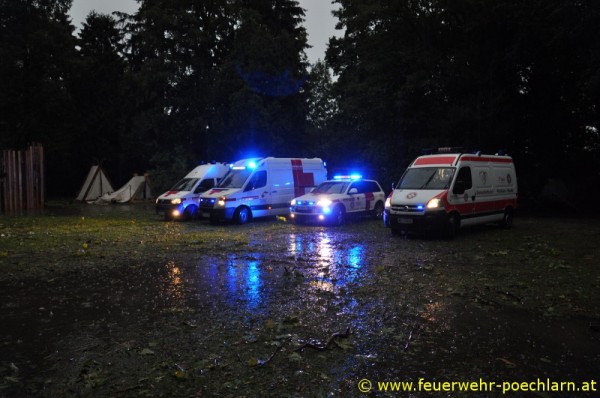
(22,183)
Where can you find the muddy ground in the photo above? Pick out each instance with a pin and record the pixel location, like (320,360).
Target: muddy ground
(112,301)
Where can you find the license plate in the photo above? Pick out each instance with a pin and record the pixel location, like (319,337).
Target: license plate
(205,214)
(405,220)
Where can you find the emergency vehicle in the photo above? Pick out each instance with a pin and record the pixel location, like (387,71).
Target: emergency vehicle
(334,200)
(443,192)
(181,201)
(260,187)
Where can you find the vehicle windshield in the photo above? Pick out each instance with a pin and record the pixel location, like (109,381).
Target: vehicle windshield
(426,178)
(187,184)
(235,178)
(331,187)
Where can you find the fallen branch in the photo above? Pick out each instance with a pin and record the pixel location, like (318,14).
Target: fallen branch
(322,347)
(263,362)
(408,340)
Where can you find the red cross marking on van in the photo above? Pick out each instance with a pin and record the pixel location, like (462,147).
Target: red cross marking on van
(301,179)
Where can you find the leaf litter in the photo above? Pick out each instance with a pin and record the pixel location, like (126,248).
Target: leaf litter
(119,303)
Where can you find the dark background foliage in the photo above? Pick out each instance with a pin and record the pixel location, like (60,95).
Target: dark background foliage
(185,81)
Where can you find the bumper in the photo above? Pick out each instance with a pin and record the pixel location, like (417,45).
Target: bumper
(165,208)
(220,214)
(427,222)
(312,214)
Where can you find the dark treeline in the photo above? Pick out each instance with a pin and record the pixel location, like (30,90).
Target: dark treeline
(183,81)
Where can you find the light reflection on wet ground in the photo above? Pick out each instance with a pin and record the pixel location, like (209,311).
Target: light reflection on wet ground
(308,282)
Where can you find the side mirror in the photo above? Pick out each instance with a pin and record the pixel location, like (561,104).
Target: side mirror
(352,191)
(393,186)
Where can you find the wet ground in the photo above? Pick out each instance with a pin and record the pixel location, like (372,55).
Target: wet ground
(106,301)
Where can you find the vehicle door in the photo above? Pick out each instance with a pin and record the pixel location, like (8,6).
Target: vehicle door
(356,191)
(372,192)
(462,195)
(256,194)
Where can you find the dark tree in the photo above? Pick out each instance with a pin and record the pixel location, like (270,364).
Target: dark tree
(36,53)
(261,107)
(96,87)
(500,75)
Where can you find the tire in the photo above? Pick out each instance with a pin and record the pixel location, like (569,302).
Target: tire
(191,212)
(507,219)
(339,215)
(242,215)
(378,211)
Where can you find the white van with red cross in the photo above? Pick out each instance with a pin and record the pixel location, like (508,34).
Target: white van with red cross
(443,192)
(261,187)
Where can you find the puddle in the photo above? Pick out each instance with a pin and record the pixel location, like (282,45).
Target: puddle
(230,323)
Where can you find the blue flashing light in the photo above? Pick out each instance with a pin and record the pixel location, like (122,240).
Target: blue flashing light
(252,164)
(352,177)
(420,207)
(326,210)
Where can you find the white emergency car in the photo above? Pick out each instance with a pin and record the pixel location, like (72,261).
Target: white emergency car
(442,192)
(261,187)
(181,201)
(333,200)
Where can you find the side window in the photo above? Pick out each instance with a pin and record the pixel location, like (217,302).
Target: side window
(463,181)
(259,180)
(358,185)
(205,185)
(371,186)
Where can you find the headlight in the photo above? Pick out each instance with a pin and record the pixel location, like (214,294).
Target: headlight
(435,203)
(388,203)
(221,201)
(175,201)
(293,202)
(324,203)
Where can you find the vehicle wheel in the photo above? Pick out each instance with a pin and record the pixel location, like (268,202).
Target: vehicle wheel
(339,215)
(452,226)
(507,220)
(378,211)
(242,215)
(191,212)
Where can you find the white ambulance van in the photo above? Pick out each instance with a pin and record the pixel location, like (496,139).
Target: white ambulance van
(181,201)
(441,193)
(261,187)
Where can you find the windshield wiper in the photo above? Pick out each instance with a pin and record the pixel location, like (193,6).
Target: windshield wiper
(429,179)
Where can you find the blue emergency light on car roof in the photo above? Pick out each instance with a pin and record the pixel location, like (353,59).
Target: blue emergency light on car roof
(352,177)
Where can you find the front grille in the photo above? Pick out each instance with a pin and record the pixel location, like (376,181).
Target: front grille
(164,202)
(207,203)
(407,208)
(306,209)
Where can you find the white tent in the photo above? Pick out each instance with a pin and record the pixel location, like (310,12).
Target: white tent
(138,188)
(96,184)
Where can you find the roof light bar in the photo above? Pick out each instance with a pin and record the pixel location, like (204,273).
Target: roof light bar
(352,177)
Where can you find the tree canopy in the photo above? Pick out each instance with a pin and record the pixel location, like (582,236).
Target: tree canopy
(182,81)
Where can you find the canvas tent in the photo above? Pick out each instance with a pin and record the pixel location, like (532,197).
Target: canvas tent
(138,188)
(96,184)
